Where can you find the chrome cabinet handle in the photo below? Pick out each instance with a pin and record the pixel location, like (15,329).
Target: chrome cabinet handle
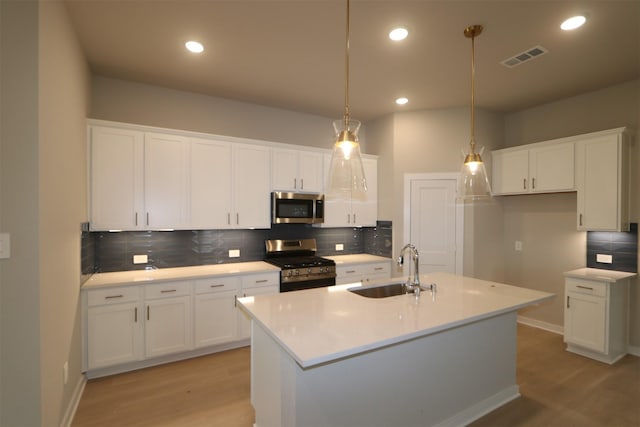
(136,218)
(135,315)
(237,218)
(580,220)
(228,218)
(114,296)
(217,286)
(302,183)
(147,218)
(166,291)
(262,281)
(584,287)
(524,184)
(568,305)
(147,312)
(350,271)
(533,183)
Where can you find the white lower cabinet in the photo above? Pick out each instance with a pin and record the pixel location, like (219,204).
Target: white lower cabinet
(257,284)
(215,312)
(127,326)
(364,272)
(114,326)
(595,318)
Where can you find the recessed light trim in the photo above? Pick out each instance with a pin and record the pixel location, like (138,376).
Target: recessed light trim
(402,101)
(398,34)
(194,46)
(573,23)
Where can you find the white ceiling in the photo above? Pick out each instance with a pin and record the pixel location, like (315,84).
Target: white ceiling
(290,53)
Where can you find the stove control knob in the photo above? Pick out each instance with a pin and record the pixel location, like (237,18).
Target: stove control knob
(309,270)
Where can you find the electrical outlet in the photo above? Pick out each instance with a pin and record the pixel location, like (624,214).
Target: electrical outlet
(339,247)
(140,259)
(65,372)
(518,246)
(605,259)
(234,253)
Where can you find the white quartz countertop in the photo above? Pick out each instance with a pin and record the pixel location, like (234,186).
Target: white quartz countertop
(599,274)
(178,273)
(356,259)
(322,325)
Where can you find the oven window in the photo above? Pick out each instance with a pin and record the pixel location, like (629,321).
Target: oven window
(294,208)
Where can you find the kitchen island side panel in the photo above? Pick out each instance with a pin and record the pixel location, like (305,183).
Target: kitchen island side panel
(444,379)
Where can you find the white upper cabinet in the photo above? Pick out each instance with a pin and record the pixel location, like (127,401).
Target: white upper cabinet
(534,168)
(229,185)
(354,213)
(602,179)
(117,178)
(166,165)
(296,170)
(138,180)
(251,173)
(211,187)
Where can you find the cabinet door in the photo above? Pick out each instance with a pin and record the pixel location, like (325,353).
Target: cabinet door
(337,211)
(601,178)
(114,334)
(215,318)
(166,171)
(585,321)
(365,212)
(210,184)
(285,170)
(510,172)
(244,323)
(168,326)
(310,172)
(551,168)
(251,187)
(117,179)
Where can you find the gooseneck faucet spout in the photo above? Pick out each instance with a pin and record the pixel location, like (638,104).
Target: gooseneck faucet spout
(412,285)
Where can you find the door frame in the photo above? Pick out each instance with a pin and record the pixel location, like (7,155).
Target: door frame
(459,211)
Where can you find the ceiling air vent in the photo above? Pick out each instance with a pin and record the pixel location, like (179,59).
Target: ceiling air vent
(525,56)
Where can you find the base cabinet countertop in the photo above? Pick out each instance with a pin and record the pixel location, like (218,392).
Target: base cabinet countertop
(322,356)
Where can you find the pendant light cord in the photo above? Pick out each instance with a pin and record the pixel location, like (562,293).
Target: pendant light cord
(346,74)
(473,92)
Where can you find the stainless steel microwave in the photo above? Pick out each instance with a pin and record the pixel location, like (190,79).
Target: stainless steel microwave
(297,208)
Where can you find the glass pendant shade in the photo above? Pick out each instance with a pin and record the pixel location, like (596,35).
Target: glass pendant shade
(346,172)
(473,184)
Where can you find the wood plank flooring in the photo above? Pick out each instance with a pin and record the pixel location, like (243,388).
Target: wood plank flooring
(558,389)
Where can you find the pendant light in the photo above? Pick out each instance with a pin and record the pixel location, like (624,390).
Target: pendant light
(473,184)
(346,173)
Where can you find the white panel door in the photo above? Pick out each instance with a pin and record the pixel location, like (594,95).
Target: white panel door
(433,224)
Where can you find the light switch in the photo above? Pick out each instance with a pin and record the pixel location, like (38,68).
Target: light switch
(5,245)
(518,246)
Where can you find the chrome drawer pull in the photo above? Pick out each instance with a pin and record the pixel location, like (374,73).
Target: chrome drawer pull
(379,268)
(584,287)
(262,281)
(350,271)
(166,291)
(218,286)
(113,296)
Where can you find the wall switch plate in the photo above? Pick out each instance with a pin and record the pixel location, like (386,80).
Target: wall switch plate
(234,253)
(605,259)
(518,246)
(339,247)
(140,259)
(5,245)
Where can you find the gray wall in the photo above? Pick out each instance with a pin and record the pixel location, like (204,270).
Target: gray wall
(44,85)
(546,224)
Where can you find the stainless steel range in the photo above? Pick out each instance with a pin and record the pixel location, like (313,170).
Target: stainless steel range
(300,268)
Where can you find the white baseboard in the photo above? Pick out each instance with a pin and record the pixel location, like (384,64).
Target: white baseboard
(75,401)
(634,350)
(550,327)
(482,408)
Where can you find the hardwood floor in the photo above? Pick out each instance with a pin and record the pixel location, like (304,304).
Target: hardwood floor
(558,389)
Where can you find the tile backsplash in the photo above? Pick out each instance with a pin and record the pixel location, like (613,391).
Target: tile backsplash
(114,251)
(623,247)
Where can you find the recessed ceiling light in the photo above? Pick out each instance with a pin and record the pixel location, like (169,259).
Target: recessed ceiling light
(573,23)
(193,46)
(398,34)
(402,101)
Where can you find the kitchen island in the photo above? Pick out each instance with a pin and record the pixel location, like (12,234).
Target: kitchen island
(330,357)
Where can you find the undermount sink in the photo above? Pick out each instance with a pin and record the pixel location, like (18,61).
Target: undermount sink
(384,291)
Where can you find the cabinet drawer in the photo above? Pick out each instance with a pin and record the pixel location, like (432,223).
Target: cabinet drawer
(586,287)
(217,284)
(349,271)
(263,279)
(379,269)
(167,290)
(113,295)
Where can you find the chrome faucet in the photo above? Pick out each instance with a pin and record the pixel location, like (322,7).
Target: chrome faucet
(412,286)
